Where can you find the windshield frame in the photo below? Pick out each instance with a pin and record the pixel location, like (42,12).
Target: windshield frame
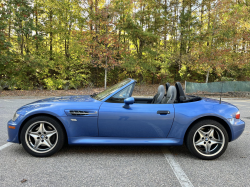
(117,90)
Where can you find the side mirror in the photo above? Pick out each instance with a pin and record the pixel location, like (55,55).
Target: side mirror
(128,101)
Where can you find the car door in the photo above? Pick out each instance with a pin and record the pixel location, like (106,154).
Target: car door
(139,121)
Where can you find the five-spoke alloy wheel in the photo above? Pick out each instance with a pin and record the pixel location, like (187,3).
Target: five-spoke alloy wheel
(207,139)
(42,136)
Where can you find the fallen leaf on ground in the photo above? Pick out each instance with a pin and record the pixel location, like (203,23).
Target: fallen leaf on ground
(24,180)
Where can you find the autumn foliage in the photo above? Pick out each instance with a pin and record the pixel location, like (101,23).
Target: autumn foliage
(68,44)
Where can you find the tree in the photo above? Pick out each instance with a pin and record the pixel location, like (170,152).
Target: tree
(102,40)
(5,45)
(72,43)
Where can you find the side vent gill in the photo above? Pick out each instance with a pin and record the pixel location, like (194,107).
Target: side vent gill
(78,112)
(81,112)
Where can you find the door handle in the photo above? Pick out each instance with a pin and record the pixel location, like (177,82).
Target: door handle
(163,112)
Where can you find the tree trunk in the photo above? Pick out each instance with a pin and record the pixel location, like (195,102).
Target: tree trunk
(207,76)
(9,39)
(165,26)
(36,30)
(189,28)
(182,45)
(21,38)
(105,78)
(51,35)
(106,64)
(9,28)
(106,61)
(65,48)
(182,37)
(27,44)
(208,24)
(202,11)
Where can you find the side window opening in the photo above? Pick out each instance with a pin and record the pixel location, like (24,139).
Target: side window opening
(123,94)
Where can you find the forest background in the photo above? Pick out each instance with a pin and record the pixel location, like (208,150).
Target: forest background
(65,44)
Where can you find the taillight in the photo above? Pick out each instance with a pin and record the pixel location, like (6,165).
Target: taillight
(237,115)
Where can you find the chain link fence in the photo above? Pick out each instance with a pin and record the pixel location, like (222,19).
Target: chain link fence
(215,87)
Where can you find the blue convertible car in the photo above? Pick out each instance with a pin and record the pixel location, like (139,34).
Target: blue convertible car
(113,117)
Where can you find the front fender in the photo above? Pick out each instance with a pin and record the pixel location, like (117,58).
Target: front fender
(14,134)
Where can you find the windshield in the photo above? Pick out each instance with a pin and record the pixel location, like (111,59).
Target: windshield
(111,90)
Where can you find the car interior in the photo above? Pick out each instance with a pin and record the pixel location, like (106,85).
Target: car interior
(165,95)
(170,95)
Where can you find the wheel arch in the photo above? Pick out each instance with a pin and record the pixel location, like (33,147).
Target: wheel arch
(215,118)
(42,114)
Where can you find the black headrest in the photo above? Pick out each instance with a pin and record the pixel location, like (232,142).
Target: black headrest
(167,86)
(180,93)
(161,92)
(170,97)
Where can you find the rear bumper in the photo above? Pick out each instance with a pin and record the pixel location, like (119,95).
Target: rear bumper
(237,129)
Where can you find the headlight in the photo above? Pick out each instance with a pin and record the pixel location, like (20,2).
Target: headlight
(15,117)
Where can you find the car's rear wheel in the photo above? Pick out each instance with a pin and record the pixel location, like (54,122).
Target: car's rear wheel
(42,136)
(207,139)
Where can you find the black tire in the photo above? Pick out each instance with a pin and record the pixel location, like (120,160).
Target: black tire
(199,141)
(46,136)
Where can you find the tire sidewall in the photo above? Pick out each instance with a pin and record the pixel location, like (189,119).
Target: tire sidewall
(189,139)
(56,124)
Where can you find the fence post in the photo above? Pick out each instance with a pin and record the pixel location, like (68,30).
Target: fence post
(185,86)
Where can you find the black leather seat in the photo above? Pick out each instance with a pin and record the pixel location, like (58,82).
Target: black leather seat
(159,96)
(180,93)
(167,86)
(170,97)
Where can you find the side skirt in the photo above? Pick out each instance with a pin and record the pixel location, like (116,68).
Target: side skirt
(123,141)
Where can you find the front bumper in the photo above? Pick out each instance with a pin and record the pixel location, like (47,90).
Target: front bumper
(13,133)
(237,129)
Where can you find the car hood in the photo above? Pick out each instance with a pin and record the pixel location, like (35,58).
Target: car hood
(59,104)
(75,98)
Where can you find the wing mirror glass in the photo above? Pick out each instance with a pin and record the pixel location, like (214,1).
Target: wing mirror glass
(128,101)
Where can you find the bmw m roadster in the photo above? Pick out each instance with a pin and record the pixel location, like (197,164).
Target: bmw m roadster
(113,117)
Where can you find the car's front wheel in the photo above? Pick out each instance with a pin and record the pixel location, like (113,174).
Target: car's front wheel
(207,139)
(42,136)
